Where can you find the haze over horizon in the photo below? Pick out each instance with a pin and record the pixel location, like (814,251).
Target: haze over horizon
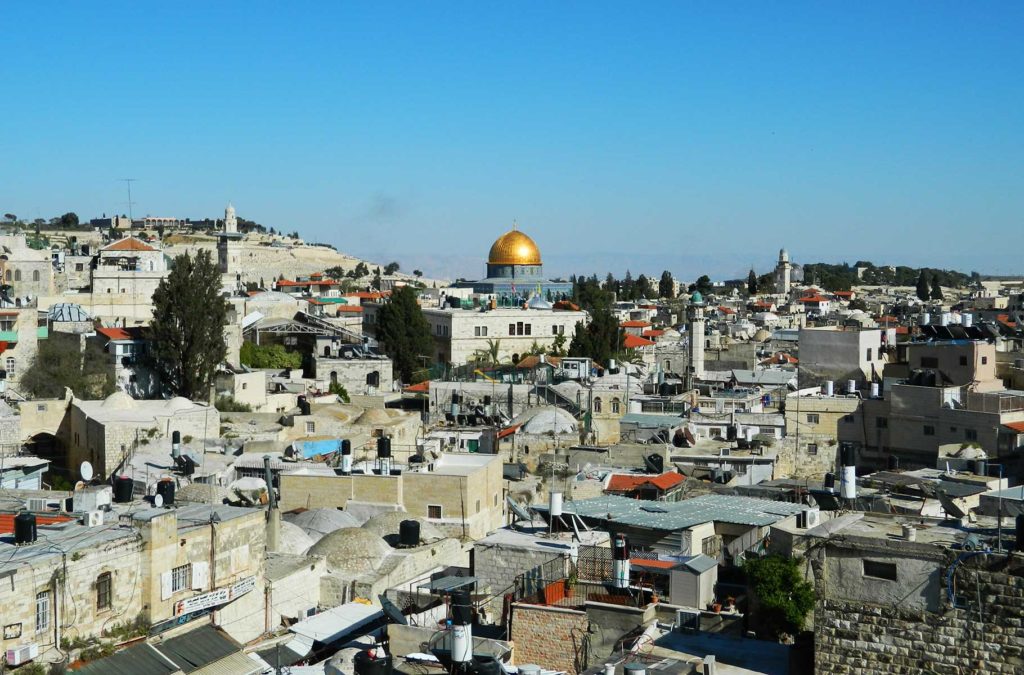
(698,138)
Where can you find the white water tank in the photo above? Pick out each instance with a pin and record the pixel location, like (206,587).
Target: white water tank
(829,388)
(555,504)
(874,390)
(924,319)
(966,319)
(851,386)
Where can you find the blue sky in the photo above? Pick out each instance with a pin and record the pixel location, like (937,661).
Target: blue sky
(698,137)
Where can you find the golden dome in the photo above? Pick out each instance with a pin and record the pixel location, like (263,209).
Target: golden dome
(514,248)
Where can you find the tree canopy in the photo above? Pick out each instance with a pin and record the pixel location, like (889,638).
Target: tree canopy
(404,333)
(752,283)
(702,285)
(90,375)
(601,339)
(666,285)
(268,356)
(188,326)
(784,598)
(923,291)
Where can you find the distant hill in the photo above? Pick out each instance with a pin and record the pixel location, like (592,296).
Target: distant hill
(844,276)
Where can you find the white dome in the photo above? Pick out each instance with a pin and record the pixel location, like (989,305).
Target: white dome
(118,401)
(548,420)
(319,522)
(294,539)
(352,550)
(537,302)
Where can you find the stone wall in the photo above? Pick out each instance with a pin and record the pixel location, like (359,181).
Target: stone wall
(852,636)
(551,637)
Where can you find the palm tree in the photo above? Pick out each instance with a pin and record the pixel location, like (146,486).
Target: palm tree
(489,356)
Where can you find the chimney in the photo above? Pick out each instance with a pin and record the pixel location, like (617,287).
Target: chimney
(273,514)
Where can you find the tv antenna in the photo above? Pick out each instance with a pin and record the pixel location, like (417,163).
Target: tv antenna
(128,182)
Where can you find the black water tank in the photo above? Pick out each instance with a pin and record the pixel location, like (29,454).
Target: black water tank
(846,455)
(365,664)
(383,446)
(462,607)
(409,533)
(1020,532)
(304,406)
(176,437)
(981,467)
(657,462)
(165,489)
(346,446)
(830,480)
(620,547)
(24,528)
(123,486)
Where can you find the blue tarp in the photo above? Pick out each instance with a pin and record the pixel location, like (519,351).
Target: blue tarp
(309,449)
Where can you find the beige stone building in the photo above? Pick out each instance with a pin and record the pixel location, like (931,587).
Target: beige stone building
(128,572)
(29,271)
(460,493)
(813,421)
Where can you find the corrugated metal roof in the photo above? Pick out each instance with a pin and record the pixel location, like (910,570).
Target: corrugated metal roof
(233,664)
(681,515)
(652,421)
(198,648)
(138,660)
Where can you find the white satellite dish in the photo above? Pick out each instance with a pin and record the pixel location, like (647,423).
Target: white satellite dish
(158,501)
(86,471)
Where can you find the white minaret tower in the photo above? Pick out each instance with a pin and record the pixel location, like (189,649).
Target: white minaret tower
(230,222)
(696,311)
(783,273)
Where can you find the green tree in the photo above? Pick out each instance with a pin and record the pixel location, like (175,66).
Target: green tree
(268,356)
(10,217)
(783,597)
(89,374)
(923,292)
(558,345)
(702,285)
(601,339)
(489,356)
(404,333)
(752,282)
(339,390)
(936,288)
(188,326)
(391,268)
(417,273)
(666,285)
(644,289)
(69,220)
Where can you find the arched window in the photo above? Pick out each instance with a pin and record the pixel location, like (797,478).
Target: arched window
(615,406)
(17,275)
(597,405)
(8,275)
(35,275)
(103,585)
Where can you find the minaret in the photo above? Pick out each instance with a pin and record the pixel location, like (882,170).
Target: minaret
(783,273)
(696,312)
(230,222)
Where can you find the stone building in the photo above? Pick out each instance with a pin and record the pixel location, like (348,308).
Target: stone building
(130,268)
(130,571)
(813,421)
(29,271)
(20,333)
(887,606)
(839,354)
(108,431)
(460,493)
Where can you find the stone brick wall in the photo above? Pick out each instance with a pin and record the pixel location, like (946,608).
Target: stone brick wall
(551,637)
(856,637)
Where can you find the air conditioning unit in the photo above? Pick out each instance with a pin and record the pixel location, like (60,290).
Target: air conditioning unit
(92,518)
(16,657)
(37,504)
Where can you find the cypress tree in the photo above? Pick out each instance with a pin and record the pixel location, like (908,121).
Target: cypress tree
(923,291)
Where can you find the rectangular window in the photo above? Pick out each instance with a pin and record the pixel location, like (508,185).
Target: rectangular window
(103,583)
(434,511)
(880,570)
(869,354)
(882,422)
(971,434)
(476,331)
(42,611)
(483,331)
(511,329)
(984,360)
(929,430)
(929,362)
(812,448)
(963,360)
(812,418)
(529,328)
(79,267)
(310,427)
(519,328)
(554,330)
(180,578)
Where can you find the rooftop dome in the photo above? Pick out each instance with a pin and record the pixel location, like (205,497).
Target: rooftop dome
(119,401)
(319,522)
(179,403)
(514,248)
(352,550)
(387,525)
(538,302)
(697,298)
(293,539)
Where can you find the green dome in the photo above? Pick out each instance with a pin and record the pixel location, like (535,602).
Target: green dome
(697,298)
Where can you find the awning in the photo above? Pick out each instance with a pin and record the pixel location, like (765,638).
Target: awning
(508,431)
(234,664)
(337,622)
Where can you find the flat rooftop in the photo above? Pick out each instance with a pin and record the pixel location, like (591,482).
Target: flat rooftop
(535,537)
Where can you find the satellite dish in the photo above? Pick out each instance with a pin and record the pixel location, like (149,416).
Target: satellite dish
(86,471)
(158,501)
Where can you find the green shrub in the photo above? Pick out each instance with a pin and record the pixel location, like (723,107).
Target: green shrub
(784,598)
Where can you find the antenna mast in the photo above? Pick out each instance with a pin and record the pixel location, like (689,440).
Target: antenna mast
(128,182)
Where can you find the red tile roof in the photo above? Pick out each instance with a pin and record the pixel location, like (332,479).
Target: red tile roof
(653,332)
(303,284)
(421,388)
(763,304)
(1005,320)
(635,324)
(128,244)
(567,306)
(654,564)
(351,309)
(726,310)
(1016,426)
(133,333)
(508,431)
(843,294)
(7,521)
(814,298)
(625,482)
(635,342)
